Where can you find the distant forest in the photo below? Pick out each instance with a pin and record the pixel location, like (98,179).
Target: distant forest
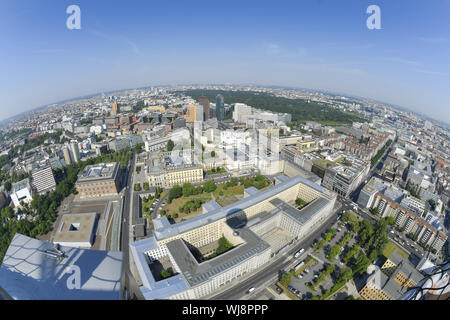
(300,109)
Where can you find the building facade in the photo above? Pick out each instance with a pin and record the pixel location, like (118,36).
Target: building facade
(43,180)
(98,181)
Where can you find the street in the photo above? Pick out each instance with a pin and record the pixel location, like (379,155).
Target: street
(130,289)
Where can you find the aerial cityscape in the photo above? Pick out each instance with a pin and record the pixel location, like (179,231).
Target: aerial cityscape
(222,190)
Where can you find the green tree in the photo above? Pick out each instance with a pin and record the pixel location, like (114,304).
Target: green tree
(7,213)
(188,189)
(390,221)
(361,264)
(432,204)
(175,193)
(165,274)
(334,251)
(286,279)
(209,186)
(213,154)
(7,186)
(170,145)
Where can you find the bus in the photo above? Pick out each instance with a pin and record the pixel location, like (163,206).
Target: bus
(299,265)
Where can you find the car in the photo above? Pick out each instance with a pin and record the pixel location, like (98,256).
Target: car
(300,276)
(250,290)
(306,271)
(316,276)
(279,290)
(291,288)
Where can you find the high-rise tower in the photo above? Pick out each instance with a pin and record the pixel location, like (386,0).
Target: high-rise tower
(220,108)
(205,103)
(115,109)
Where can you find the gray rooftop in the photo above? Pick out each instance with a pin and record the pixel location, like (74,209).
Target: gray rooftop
(303,215)
(98,172)
(196,273)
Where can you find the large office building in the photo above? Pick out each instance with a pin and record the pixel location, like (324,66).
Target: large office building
(43,180)
(115,109)
(204,102)
(260,226)
(195,113)
(99,180)
(220,108)
(345,177)
(248,115)
(161,175)
(37,270)
(66,153)
(71,152)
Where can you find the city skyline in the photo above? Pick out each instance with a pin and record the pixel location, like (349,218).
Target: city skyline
(321,45)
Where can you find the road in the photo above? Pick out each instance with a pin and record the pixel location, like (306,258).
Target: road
(130,288)
(274,268)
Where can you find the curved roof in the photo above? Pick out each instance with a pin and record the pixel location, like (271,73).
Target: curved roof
(34,270)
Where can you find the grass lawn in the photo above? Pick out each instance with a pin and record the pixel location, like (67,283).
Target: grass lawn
(229,195)
(172,208)
(147,204)
(390,247)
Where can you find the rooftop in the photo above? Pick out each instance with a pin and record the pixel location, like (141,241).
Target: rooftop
(36,270)
(20,185)
(76,228)
(100,171)
(196,273)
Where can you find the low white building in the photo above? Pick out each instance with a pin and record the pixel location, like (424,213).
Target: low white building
(21,191)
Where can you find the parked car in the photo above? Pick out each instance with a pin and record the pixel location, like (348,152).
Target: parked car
(278,289)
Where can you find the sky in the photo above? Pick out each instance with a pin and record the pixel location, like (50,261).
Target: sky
(316,44)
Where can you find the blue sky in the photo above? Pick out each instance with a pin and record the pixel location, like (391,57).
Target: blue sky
(311,44)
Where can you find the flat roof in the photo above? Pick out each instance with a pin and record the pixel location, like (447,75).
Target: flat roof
(76,228)
(98,172)
(196,273)
(31,270)
(303,215)
(20,185)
